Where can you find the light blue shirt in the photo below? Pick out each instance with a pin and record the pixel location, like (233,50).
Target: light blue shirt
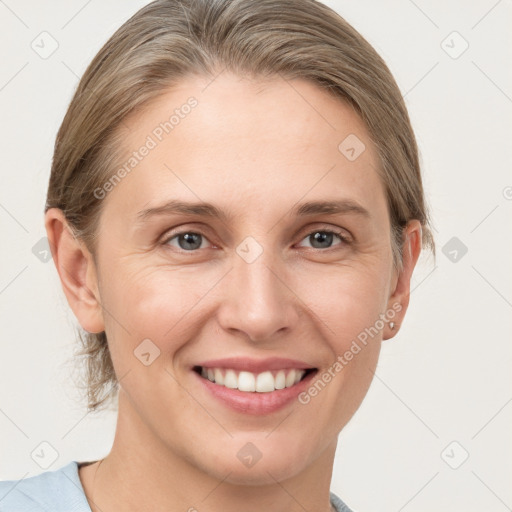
(61,491)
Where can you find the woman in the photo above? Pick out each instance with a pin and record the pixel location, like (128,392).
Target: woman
(235,211)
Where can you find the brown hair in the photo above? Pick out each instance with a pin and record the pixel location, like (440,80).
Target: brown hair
(170,39)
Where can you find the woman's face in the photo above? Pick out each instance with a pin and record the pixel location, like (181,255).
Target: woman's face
(215,255)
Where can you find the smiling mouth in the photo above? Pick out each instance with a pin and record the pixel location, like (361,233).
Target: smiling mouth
(264,382)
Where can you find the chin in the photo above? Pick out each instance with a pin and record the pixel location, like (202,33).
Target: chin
(263,473)
(260,461)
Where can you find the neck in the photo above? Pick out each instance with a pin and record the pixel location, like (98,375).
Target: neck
(140,473)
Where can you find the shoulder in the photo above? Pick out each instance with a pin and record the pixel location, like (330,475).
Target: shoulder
(59,490)
(339,505)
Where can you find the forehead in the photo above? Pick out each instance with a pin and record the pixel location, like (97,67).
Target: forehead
(247,143)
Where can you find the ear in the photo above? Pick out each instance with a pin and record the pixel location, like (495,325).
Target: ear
(77,271)
(401,286)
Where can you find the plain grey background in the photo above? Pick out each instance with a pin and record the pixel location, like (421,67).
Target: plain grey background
(433,431)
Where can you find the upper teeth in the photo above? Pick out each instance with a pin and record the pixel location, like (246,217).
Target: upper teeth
(246,381)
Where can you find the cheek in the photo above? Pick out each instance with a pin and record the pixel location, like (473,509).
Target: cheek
(347,300)
(158,303)
(348,303)
(348,309)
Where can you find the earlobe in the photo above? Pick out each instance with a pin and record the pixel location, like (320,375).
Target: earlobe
(399,298)
(77,272)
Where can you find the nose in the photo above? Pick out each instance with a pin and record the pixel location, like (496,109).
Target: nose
(258,300)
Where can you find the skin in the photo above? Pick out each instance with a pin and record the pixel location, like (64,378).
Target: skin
(248,143)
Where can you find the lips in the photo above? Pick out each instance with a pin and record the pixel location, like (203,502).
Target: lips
(256,365)
(262,382)
(254,386)
(253,402)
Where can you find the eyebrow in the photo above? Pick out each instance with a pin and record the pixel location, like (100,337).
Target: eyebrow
(343,206)
(202,209)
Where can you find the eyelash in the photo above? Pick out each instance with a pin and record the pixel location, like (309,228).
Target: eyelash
(342,236)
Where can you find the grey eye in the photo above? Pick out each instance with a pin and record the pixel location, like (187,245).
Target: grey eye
(187,241)
(322,239)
